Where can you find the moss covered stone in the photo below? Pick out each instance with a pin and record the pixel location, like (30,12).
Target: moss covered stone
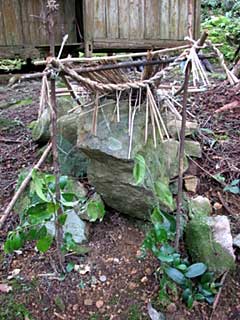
(202,246)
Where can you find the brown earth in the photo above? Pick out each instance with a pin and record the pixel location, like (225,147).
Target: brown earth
(117,283)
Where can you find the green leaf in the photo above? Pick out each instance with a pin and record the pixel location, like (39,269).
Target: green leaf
(186,294)
(139,169)
(175,275)
(95,210)
(199,297)
(190,302)
(210,299)
(156,216)
(44,244)
(63,182)
(62,219)
(207,277)
(31,234)
(66,200)
(38,185)
(164,194)
(160,233)
(195,270)
(70,267)
(39,213)
(41,233)
(182,267)
(165,257)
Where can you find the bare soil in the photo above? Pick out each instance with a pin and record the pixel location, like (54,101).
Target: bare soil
(117,283)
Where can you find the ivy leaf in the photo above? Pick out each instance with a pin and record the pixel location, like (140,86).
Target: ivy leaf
(139,169)
(44,244)
(95,210)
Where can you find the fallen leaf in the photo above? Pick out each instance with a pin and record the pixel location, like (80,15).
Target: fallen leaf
(14,273)
(5,288)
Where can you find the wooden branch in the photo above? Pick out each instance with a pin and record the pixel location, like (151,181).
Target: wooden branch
(218,295)
(116,57)
(181,157)
(71,90)
(24,185)
(230,106)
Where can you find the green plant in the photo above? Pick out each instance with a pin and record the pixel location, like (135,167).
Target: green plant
(225,30)
(233,187)
(194,280)
(43,207)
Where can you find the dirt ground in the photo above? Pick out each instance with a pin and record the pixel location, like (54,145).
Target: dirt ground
(115,283)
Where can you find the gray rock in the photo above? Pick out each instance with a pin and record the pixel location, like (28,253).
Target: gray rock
(73,225)
(174,128)
(200,206)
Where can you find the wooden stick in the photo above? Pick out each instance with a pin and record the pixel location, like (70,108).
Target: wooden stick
(116,57)
(218,295)
(181,157)
(71,90)
(24,185)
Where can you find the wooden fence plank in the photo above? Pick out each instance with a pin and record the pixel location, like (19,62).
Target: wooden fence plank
(112,19)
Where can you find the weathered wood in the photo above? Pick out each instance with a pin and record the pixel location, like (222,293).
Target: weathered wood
(88,17)
(108,24)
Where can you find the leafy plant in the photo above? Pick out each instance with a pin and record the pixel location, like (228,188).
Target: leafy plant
(225,30)
(43,207)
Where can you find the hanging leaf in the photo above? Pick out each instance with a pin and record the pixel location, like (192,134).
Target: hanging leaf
(156,216)
(40,212)
(95,210)
(139,169)
(63,182)
(67,199)
(41,233)
(175,275)
(196,270)
(38,186)
(164,194)
(44,244)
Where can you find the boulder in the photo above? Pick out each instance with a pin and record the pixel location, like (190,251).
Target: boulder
(209,239)
(110,169)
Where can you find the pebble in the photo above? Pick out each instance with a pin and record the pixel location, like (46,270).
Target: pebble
(148,271)
(144,279)
(75,307)
(99,304)
(103,278)
(132,285)
(171,308)
(88,302)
